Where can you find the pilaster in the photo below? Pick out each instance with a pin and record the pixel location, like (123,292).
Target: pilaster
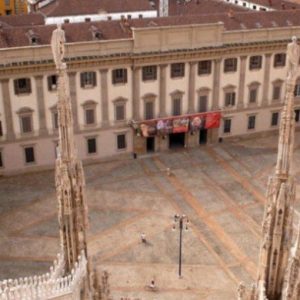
(73,95)
(216,84)
(266,81)
(136,93)
(10,134)
(191,87)
(241,90)
(41,104)
(162,90)
(104,96)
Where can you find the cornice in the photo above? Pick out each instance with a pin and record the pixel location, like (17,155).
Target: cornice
(136,59)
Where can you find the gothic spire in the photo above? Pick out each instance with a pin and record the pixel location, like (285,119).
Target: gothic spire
(276,264)
(69,173)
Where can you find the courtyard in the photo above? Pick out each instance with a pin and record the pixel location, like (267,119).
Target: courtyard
(221,188)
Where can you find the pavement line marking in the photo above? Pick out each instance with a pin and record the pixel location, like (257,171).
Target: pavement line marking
(200,236)
(212,224)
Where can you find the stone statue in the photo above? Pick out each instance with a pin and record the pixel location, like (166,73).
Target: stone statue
(58,46)
(293,55)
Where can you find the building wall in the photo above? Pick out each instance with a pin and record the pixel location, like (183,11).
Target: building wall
(105,94)
(13,7)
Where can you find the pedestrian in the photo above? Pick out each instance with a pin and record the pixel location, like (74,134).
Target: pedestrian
(152,284)
(143,238)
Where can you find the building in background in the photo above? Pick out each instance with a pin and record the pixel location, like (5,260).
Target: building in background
(13,7)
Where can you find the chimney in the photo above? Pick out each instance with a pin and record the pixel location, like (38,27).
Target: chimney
(230,13)
(163,8)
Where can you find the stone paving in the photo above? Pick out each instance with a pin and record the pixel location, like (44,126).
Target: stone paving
(220,188)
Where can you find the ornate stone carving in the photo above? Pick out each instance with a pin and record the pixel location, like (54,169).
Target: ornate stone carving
(279,267)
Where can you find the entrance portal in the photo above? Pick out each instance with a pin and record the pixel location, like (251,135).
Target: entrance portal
(150,144)
(203,136)
(176,140)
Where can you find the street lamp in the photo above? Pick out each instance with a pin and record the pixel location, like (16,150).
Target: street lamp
(181,220)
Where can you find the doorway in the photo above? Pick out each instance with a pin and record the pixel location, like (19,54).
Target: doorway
(203,136)
(176,140)
(150,144)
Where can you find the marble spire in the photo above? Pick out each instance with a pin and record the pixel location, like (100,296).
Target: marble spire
(276,254)
(69,174)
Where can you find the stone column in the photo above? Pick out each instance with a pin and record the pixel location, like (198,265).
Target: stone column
(10,134)
(41,104)
(216,84)
(241,88)
(73,95)
(266,81)
(104,96)
(136,93)
(162,90)
(191,87)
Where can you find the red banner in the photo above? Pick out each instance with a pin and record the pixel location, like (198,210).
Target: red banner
(213,120)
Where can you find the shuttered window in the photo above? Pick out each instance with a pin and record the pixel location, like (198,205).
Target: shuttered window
(121,141)
(176,106)
(22,86)
(26,123)
(119,76)
(87,79)
(29,154)
(149,110)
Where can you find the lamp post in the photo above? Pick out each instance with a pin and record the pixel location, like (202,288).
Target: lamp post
(181,220)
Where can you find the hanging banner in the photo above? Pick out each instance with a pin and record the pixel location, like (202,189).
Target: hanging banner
(148,129)
(213,120)
(164,127)
(180,125)
(195,122)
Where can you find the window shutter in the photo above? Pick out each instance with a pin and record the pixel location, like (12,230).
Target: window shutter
(94,78)
(49,83)
(16,86)
(28,85)
(82,80)
(125,75)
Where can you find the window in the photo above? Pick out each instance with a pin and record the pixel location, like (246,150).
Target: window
(176,106)
(276,92)
(87,79)
(279,60)
(29,154)
(275,118)
(204,67)
(229,99)
(202,103)
(149,110)
(230,65)
(89,116)
(52,83)
(119,76)
(251,122)
(297,90)
(177,70)
(149,73)
(255,62)
(55,119)
(227,126)
(22,86)
(252,95)
(1,130)
(121,141)
(297,115)
(120,111)
(91,145)
(26,123)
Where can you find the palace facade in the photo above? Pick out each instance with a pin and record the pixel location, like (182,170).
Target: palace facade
(127,73)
